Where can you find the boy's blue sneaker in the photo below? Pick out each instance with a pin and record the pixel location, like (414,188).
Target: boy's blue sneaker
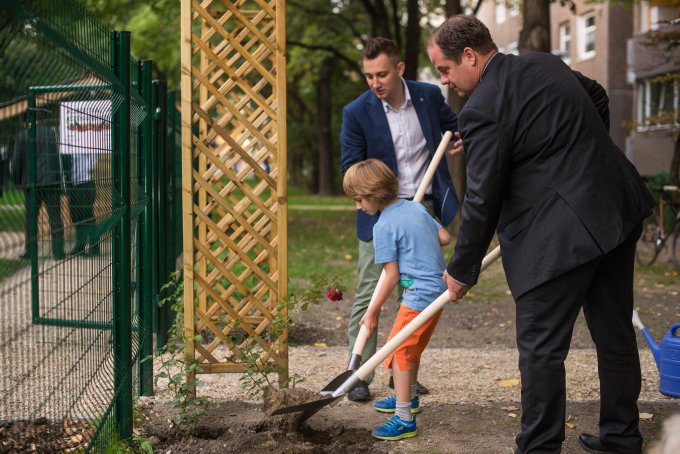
(396,429)
(389,405)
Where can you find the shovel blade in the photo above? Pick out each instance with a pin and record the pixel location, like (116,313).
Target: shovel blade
(308,408)
(336,382)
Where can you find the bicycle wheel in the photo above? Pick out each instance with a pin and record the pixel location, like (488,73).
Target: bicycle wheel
(675,251)
(648,246)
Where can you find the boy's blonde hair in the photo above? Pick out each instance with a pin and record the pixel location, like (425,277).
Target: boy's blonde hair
(371,179)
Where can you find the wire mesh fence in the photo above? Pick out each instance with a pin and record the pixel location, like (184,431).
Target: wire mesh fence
(76,221)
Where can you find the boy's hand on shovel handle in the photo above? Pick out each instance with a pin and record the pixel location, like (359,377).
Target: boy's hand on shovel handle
(369,321)
(456,290)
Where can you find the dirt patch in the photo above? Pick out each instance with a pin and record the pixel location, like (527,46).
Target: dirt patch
(44,436)
(470,359)
(486,317)
(489,428)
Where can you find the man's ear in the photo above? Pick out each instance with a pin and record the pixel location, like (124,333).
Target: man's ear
(401,66)
(469,56)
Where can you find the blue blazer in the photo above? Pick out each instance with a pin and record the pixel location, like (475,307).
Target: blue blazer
(365,134)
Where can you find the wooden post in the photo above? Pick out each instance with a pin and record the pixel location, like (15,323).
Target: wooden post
(187,192)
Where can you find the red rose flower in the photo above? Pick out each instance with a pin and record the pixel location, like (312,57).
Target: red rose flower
(334,294)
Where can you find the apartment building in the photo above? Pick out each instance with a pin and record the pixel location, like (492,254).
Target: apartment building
(654,69)
(591,39)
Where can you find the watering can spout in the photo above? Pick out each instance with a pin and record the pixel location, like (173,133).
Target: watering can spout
(653,346)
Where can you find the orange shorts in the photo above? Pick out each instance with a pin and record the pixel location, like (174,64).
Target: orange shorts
(411,349)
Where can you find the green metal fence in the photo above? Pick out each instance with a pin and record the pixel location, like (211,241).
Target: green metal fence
(89,189)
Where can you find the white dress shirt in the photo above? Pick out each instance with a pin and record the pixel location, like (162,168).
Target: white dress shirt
(409,145)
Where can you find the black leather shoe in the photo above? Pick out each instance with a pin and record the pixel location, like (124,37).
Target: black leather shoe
(592,444)
(420,388)
(360,393)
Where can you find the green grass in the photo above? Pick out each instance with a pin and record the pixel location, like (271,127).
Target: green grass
(12,197)
(297,196)
(659,273)
(321,242)
(11,219)
(9,267)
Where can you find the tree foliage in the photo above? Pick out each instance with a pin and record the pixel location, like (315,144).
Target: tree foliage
(324,43)
(155,28)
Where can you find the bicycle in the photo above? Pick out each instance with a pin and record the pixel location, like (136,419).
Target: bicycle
(654,232)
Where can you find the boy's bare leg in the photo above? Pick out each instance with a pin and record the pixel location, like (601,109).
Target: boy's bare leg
(415,366)
(402,382)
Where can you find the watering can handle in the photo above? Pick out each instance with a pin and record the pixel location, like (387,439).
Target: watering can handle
(673,329)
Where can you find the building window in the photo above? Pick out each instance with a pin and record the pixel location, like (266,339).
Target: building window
(586,36)
(514,7)
(565,42)
(658,102)
(500,11)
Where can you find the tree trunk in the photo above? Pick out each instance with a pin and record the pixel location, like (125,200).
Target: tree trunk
(453,7)
(674,171)
(535,35)
(412,40)
(326,184)
(380,25)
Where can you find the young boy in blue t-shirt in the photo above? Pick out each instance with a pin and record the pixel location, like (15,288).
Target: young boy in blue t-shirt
(407,243)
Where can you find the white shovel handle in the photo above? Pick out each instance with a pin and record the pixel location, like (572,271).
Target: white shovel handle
(387,349)
(360,342)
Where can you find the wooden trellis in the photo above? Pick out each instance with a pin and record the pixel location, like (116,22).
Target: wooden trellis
(234,180)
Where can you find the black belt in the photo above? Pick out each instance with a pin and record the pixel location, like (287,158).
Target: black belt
(426,197)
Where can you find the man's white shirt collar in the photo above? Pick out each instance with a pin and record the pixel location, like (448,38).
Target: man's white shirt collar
(407,99)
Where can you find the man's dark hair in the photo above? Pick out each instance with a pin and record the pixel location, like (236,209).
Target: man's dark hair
(459,32)
(380,45)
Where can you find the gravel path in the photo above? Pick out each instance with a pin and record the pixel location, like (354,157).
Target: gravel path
(452,375)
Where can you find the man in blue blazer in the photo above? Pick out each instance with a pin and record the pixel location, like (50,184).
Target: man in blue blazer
(567,206)
(401,123)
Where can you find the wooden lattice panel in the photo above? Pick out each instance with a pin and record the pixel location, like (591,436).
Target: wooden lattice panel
(234,179)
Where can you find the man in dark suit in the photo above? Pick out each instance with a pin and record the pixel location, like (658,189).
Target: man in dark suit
(400,123)
(48,182)
(567,207)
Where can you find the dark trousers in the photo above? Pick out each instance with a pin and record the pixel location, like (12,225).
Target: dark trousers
(81,204)
(545,321)
(50,196)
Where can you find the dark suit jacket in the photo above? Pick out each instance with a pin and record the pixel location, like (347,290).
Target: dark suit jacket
(48,169)
(543,170)
(366,134)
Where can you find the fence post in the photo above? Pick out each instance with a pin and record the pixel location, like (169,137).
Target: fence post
(176,149)
(161,172)
(146,302)
(31,240)
(122,333)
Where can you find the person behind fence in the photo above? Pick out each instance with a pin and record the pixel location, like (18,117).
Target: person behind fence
(407,242)
(81,195)
(401,123)
(48,182)
(567,206)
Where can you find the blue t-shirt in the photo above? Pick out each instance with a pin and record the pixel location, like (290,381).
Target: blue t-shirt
(407,234)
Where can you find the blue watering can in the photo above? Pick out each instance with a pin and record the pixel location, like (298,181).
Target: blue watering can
(667,357)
